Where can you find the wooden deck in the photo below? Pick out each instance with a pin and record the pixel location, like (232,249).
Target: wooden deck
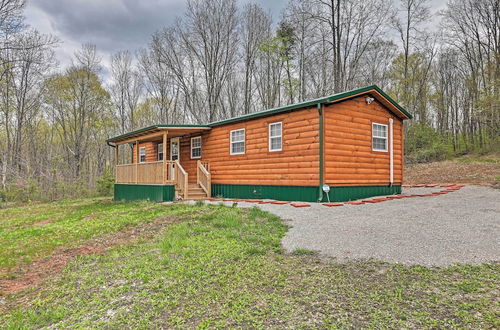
(166,172)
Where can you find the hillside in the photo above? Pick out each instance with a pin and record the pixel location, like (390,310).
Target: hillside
(468,170)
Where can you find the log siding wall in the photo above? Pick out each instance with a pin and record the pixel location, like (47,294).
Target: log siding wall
(349,158)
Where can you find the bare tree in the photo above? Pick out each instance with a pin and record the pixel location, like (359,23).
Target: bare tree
(126,89)
(23,74)
(211,37)
(255,26)
(159,84)
(412,13)
(77,103)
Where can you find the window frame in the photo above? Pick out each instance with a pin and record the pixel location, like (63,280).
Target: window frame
(159,151)
(141,154)
(231,142)
(195,138)
(271,137)
(386,137)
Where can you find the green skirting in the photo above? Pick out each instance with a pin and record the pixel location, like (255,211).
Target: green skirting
(349,193)
(300,193)
(282,193)
(134,192)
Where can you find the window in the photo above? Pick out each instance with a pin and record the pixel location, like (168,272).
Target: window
(196,147)
(142,154)
(379,137)
(275,137)
(160,151)
(238,142)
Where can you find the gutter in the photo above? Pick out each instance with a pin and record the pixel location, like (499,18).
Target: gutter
(109,144)
(320,113)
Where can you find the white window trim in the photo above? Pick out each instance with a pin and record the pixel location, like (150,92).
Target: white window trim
(280,136)
(141,149)
(195,138)
(380,137)
(159,151)
(231,142)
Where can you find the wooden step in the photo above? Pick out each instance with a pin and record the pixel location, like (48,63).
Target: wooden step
(196,192)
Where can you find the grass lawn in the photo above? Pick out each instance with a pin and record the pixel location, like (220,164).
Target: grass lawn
(215,266)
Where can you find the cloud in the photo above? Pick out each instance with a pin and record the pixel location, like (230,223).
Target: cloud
(109,24)
(112,25)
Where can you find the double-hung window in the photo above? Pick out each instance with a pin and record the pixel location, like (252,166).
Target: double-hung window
(142,154)
(275,136)
(237,142)
(196,147)
(160,151)
(379,137)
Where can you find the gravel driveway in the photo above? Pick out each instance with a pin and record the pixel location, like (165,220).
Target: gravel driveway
(460,227)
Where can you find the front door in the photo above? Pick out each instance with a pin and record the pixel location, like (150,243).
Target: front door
(174,154)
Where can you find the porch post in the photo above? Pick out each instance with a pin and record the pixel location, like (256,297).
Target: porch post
(165,176)
(117,146)
(116,155)
(136,161)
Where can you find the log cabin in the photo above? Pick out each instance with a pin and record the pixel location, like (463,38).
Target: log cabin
(352,142)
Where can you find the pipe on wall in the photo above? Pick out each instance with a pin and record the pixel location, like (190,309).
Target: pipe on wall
(391,151)
(320,113)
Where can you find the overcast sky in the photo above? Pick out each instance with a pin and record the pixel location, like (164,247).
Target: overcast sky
(114,25)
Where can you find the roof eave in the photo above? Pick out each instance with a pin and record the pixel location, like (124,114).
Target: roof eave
(152,127)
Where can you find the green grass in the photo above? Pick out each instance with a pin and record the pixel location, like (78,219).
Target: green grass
(31,232)
(224,267)
(492,159)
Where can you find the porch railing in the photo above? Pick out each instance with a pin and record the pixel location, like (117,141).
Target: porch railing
(203,177)
(145,173)
(164,172)
(181,180)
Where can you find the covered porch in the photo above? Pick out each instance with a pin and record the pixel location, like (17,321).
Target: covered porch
(157,156)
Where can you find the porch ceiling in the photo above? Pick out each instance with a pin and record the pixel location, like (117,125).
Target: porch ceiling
(155,133)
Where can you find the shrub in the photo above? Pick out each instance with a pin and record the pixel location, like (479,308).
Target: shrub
(425,144)
(105,184)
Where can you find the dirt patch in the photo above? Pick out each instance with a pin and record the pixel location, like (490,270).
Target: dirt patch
(43,222)
(28,276)
(478,173)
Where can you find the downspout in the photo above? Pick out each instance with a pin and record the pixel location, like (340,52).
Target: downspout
(391,152)
(320,113)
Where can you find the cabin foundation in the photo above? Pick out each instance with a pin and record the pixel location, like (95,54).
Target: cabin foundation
(149,192)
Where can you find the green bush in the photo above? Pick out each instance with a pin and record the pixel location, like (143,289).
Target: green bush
(425,144)
(105,184)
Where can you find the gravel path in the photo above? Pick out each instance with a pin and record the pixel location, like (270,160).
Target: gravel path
(460,227)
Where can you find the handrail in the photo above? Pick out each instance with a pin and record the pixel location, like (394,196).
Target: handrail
(204,178)
(181,179)
(143,163)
